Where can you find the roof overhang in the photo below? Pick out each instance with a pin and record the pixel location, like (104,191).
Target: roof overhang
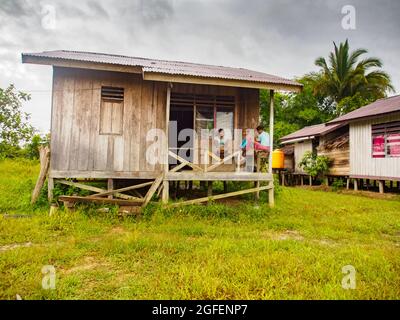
(80,64)
(158,76)
(371,117)
(298,140)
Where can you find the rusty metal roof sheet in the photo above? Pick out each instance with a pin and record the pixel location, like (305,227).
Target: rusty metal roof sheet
(378,108)
(310,132)
(167,67)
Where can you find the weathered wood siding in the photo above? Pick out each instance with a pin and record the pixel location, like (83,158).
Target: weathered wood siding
(361,161)
(76,143)
(300,148)
(340,154)
(79,147)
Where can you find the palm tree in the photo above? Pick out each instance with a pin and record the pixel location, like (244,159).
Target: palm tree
(347,75)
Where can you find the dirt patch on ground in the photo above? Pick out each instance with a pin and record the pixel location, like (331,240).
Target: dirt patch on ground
(362,193)
(117,230)
(87,264)
(286,235)
(15,246)
(372,194)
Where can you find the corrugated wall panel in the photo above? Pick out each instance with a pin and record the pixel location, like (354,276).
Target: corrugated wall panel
(361,161)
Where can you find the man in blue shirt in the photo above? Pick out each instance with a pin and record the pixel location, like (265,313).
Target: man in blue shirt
(262,140)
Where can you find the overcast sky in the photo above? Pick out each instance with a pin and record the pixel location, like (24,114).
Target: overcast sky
(278,37)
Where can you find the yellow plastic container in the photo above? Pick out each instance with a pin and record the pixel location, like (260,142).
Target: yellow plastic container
(278,159)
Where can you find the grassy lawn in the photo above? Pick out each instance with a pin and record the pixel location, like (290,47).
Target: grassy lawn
(295,251)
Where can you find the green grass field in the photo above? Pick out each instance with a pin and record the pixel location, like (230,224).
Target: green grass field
(295,251)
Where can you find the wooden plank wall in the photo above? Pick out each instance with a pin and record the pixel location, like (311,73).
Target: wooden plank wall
(78,148)
(361,161)
(340,165)
(300,148)
(339,156)
(76,142)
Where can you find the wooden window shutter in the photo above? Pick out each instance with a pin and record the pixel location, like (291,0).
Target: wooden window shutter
(111,110)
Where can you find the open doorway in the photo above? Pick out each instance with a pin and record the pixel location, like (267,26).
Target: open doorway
(183,143)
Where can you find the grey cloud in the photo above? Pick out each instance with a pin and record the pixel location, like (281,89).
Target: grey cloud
(278,37)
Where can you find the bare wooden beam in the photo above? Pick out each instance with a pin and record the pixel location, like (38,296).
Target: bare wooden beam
(94,189)
(214,166)
(74,174)
(192,165)
(44,153)
(220,196)
(152,190)
(101,200)
(271,130)
(178,167)
(165,189)
(271,198)
(218,176)
(137,186)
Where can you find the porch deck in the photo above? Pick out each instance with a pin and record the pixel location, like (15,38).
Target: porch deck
(217,176)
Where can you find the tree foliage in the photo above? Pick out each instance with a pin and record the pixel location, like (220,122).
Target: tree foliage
(315,166)
(15,129)
(294,110)
(347,74)
(345,83)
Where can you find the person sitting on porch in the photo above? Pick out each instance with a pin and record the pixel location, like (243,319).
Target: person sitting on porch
(261,142)
(247,142)
(221,143)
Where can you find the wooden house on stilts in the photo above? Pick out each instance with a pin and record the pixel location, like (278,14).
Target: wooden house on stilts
(104,106)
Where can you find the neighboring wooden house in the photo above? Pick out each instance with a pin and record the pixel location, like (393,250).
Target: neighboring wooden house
(374,141)
(331,141)
(363,145)
(103,107)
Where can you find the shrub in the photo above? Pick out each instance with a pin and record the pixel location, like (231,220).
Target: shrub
(338,185)
(315,166)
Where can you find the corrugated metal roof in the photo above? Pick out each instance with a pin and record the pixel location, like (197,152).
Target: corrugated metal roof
(311,131)
(377,108)
(167,67)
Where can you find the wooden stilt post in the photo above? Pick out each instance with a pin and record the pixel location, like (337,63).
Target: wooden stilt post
(381,186)
(50,188)
(44,168)
(209,188)
(355,184)
(257,184)
(110,187)
(165,192)
(348,183)
(271,199)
